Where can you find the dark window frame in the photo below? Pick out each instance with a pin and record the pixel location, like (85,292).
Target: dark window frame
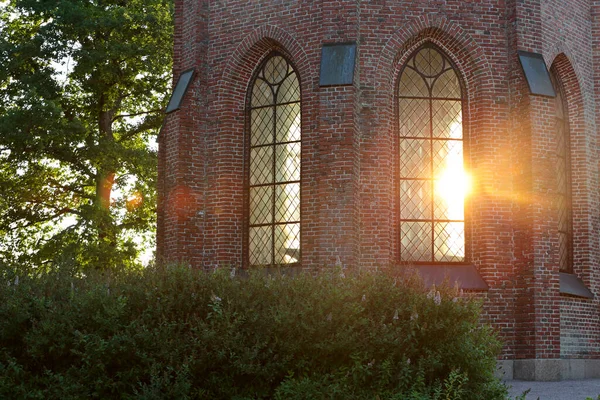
(467,261)
(568,261)
(247,160)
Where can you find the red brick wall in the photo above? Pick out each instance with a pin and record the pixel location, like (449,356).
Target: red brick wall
(567,44)
(349,155)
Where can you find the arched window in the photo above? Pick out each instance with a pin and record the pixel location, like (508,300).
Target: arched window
(273,168)
(432,182)
(563,174)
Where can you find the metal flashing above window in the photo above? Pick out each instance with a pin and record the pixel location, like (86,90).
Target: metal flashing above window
(571,285)
(337,64)
(536,74)
(183,83)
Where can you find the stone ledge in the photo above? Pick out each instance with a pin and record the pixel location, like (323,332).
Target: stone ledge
(554,369)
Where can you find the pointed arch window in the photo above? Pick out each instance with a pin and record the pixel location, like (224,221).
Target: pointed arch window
(563,174)
(274,168)
(432,183)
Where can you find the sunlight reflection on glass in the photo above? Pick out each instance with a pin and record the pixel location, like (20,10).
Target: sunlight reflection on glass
(452,186)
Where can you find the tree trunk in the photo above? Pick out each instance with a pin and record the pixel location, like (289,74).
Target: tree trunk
(105,179)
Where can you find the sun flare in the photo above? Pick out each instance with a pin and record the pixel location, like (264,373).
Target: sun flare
(452,186)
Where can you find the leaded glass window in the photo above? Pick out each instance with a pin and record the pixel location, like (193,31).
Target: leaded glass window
(563,174)
(432,182)
(274,147)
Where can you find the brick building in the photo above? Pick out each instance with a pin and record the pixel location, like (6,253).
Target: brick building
(324,132)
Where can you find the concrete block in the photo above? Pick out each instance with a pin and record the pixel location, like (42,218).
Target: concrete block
(524,370)
(538,369)
(573,369)
(592,369)
(504,370)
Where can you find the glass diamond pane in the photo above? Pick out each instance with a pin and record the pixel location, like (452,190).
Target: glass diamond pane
(429,62)
(563,214)
(275,70)
(261,94)
(559,105)
(261,165)
(287,243)
(287,203)
(289,90)
(415,241)
(288,123)
(449,241)
(287,162)
(446,119)
(414,118)
(564,252)
(261,246)
(561,177)
(561,144)
(449,185)
(449,205)
(447,158)
(415,158)
(262,126)
(447,85)
(261,205)
(412,84)
(415,199)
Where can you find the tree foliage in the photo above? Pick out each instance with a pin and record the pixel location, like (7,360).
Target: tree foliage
(82,88)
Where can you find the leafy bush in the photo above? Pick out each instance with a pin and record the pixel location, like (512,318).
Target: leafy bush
(184,334)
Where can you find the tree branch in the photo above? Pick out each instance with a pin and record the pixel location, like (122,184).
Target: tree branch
(146,124)
(39,220)
(77,189)
(136,114)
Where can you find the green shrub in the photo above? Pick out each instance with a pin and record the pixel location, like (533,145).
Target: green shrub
(177,333)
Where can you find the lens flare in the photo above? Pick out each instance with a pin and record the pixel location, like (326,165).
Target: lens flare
(452,186)
(134,201)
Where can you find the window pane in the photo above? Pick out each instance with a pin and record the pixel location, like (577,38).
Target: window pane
(289,90)
(447,119)
(287,243)
(414,118)
(449,184)
(563,214)
(287,203)
(261,246)
(275,70)
(447,156)
(564,251)
(447,85)
(287,162)
(288,123)
(415,160)
(261,165)
(261,94)
(262,126)
(415,199)
(450,241)
(429,62)
(412,84)
(415,242)
(261,205)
